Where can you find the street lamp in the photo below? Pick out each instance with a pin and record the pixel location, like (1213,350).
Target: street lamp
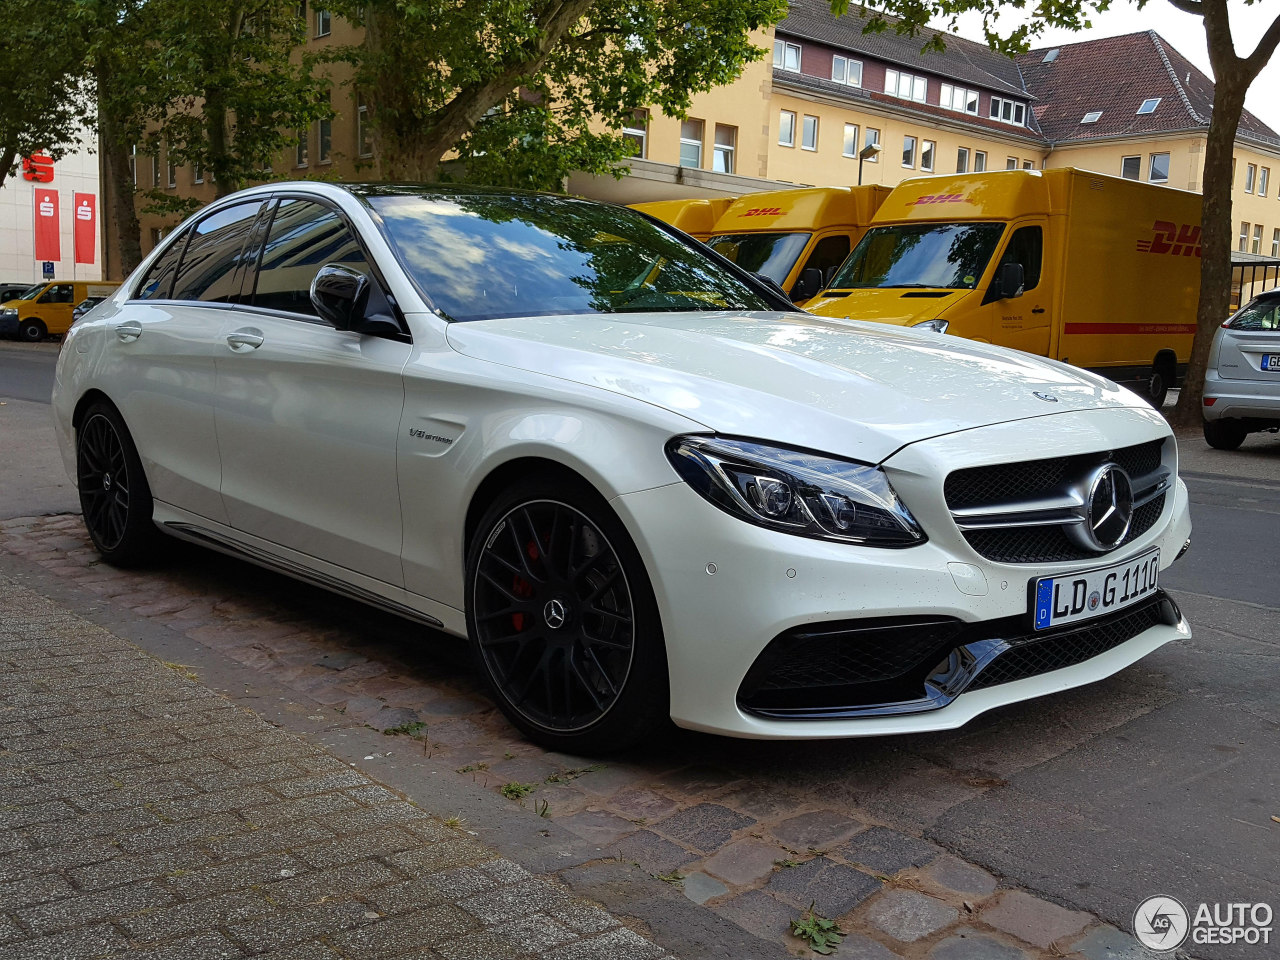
(866,153)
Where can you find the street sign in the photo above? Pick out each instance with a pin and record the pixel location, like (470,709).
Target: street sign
(48,269)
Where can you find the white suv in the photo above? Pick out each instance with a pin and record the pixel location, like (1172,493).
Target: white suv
(639,481)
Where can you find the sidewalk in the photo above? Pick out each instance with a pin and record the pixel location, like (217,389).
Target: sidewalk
(143,813)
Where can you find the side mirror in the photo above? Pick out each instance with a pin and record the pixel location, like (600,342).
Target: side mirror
(808,286)
(340,295)
(1010,279)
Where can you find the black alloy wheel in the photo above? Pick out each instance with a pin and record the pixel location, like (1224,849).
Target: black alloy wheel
(563,622)
(114,496)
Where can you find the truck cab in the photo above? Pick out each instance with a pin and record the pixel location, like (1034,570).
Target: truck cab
(697,218)
(45,308)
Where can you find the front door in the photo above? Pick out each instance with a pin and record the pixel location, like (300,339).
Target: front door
(308,416)
(1022,322)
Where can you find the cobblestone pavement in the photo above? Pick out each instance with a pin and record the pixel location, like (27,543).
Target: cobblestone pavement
(756,834)
(144,814)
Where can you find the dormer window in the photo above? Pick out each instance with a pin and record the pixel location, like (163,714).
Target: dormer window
(786,56)
(1009,111)
(1091,117)
(844,70)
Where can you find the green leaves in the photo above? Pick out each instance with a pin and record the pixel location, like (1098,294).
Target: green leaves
(822,935)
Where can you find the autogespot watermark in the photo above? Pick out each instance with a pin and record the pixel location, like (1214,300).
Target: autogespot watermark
(1163,923)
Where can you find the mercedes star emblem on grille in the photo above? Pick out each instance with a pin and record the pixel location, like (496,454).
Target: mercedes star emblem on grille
(1108,509)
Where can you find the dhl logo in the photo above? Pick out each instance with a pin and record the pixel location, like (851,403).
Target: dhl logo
(940,198)
(1173,239)
(763,212)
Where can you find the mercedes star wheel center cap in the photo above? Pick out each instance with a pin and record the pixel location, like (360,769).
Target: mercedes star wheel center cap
(106,481)
(554,614)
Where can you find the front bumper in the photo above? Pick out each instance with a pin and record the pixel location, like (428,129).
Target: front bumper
(1240,399)
(726,589)
(9,326)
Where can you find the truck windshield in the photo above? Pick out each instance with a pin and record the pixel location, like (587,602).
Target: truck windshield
(770,254)
(30,293)
(940,255)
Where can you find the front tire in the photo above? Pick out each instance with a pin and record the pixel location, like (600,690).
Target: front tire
(114,496)
(32,330)
(563,622)
(1224,434)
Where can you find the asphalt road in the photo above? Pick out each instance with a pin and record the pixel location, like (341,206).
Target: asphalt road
(1161,780)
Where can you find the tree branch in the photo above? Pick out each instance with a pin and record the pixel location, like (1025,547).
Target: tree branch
(1266,47)
(1193,7)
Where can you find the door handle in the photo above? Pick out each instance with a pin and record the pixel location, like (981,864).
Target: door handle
(128,331)
(243,340)
(1037,309)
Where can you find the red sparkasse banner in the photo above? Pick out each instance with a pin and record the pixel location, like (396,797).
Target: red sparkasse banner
(86,226)
(48,237)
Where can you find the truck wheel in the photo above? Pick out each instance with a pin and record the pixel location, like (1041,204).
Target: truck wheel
(33,330)
(1224,434)
(1158,385)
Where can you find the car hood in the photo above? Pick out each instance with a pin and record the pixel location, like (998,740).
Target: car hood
(886,305)
(861,390)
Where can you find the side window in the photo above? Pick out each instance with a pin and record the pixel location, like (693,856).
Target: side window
(1026,247)
(304,236)
(58,293)
(828,254)
(158,282)
(209,265)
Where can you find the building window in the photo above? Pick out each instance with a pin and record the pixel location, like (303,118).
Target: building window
(726,140)
(637,132)
(850,139)
(979,161)
(173,174)
(1244,236)
(1159,168)
(691,143)
(1149,106)
(809,133)
(873,136)
(324,23)
(958,99)
(786,56)
(1011,163)
(197,172)
(155,169)
(908,151)
(133,164)
(364,145)
(1131,168)
(1091,117)
(1275,242)
(1250,177)
(787,128)
(1009,111)
(906,85)
(303,149)
(1028,165)
(324,146)
(844,70)
(927,149)
(1264,177)
(1257,239)
(962,160)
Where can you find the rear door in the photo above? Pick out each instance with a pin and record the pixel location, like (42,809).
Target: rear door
(308,416)
(167,339)
(1250,347)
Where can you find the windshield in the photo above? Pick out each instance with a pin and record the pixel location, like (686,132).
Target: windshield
(497,255)
(30,293)
(940,255)
(769,254)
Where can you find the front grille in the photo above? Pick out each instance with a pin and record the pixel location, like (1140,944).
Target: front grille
(1050,544)
(1032,479)
(1033,655)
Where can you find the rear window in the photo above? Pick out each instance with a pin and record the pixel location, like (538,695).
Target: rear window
(1258,315)
(488,256)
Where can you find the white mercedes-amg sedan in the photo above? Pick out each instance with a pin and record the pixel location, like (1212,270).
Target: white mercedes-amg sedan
(640,482)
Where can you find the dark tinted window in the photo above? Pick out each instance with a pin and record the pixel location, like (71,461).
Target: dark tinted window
(304,236)
(828,254)
(59,293)
(158,283)
(1026,247)
(770,254)
(209,269)
(497,255)
(1262,314)
(942,256)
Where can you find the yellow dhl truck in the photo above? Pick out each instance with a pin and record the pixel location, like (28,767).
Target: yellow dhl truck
(796,238)
(697,218)
(1096,271)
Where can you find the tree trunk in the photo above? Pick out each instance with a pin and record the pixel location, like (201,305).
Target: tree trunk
(119,189)
(7,160)
(218,131)
(1215,243)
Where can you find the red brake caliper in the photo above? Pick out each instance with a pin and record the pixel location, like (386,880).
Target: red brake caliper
(522,588)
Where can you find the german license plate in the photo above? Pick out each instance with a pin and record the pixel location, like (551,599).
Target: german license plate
(1081,596)
(1271,361)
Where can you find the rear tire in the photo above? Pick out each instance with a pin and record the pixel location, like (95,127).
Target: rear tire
(32,330)
(562,619)
(1224,434)
(1159,383)
(114,496)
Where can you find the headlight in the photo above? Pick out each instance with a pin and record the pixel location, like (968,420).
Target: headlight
(937,326)
(796,492)
(9,314)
